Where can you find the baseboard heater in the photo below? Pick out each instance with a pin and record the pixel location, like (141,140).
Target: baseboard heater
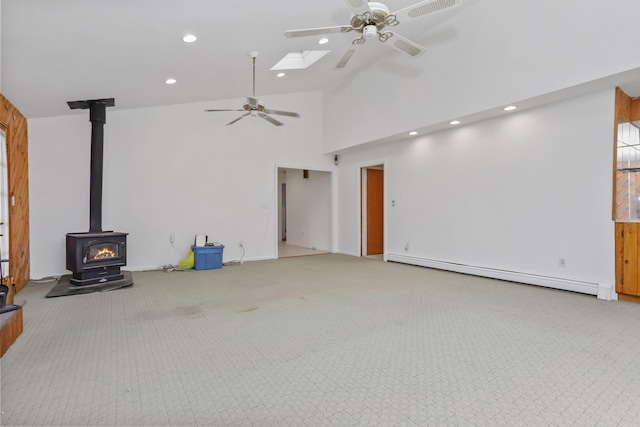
(602,292)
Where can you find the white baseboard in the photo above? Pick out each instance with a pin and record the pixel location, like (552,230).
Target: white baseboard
(602,291)
(259,258)
(346,253)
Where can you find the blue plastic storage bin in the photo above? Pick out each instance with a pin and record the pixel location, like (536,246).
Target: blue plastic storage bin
(207,257)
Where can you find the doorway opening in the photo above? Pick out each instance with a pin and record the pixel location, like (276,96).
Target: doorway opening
(372,211)
(304,212)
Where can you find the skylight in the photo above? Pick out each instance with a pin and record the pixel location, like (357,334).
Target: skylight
(299,60)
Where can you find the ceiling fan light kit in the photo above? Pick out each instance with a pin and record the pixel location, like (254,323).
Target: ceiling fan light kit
(254,108)
(370,20)
(370,31)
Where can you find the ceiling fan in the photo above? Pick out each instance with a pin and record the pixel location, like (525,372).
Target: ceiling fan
(371,18)
(253,106)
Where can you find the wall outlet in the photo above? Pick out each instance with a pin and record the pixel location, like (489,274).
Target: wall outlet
(562,262)
(406,246)
(172,238)
(240,244)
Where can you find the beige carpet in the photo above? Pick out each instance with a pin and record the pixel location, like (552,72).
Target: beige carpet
(322,340)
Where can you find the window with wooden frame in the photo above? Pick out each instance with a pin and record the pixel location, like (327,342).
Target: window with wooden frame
(626,203)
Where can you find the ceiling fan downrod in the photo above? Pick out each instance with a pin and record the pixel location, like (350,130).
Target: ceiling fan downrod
(253,56)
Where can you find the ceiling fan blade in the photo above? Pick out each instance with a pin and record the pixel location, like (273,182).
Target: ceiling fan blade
(318,31)
(233,121)
(404,45)
(233,109)
(424,8)
(358,6)
(281,113)
(270,119)
(345,58)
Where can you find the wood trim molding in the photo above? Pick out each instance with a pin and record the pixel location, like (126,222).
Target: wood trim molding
(621,115)
(10,330)
(629,298)
(15,126)
(634,109)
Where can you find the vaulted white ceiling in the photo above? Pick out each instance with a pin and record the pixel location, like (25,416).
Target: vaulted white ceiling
(65,50)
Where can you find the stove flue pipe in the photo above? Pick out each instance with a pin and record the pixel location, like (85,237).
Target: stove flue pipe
(97,117)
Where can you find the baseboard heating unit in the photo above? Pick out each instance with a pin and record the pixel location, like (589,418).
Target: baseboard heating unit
(602,291)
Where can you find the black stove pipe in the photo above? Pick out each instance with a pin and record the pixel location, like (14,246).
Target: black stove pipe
(98,117)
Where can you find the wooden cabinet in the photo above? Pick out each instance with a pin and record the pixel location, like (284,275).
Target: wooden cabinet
(627,265)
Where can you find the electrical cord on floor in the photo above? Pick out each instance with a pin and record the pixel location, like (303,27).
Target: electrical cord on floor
(238,262)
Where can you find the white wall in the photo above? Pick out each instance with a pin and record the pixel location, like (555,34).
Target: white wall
(0,47)
(514,193)
(309,209)
(171,169)
(503,52)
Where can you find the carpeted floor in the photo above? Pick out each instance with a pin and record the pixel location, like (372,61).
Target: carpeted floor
(322,340)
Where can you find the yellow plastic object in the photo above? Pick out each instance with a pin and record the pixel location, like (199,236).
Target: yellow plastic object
(188,262)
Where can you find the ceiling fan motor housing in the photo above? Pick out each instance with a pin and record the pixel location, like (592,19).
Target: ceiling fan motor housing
(367,21)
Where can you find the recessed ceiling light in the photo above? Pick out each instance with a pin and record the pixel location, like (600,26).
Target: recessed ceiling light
(413,133)
(454,122)
(189,38)
(280,75)
(170,81)
(510,108)
(323,40)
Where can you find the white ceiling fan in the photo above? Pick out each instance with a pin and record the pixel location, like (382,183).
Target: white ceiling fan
(371,18)
(253,106)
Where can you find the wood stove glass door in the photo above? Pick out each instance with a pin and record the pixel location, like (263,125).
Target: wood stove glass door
(4,205)
(102,251)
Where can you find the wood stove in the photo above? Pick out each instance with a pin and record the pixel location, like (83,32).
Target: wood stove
(96,256)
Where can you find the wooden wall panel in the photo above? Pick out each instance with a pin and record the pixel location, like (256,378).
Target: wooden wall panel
(623,106)
(15,127)
(634,109)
